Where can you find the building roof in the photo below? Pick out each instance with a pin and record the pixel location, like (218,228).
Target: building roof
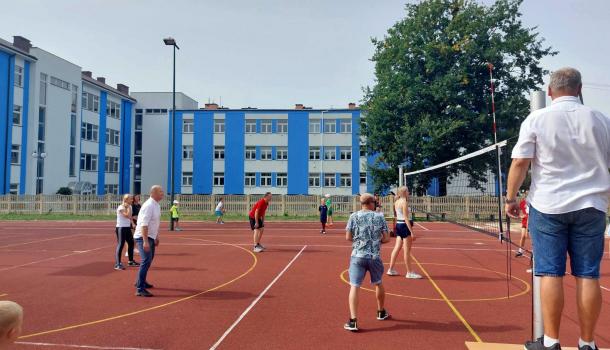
(273,110)
(10,47)
(106,87)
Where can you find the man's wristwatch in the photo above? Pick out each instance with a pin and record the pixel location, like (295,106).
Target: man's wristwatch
(510,201)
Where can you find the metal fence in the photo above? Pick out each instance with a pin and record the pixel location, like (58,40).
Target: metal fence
(291,205)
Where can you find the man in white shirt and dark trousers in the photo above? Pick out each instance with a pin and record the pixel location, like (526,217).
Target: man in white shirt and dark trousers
(568,147)
(147,237)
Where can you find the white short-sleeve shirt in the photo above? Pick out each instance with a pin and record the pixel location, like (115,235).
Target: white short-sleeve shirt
(569,145)
(121,220)
(150,216)
(219,206)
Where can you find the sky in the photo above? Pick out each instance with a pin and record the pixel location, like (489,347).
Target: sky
(272,53)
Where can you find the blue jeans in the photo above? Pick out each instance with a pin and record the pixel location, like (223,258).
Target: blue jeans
(579,233)
(147,258)
(359,266)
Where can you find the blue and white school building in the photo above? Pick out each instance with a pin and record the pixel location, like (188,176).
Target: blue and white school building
(62,127)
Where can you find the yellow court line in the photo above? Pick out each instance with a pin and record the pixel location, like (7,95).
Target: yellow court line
(449,303)
(255,261)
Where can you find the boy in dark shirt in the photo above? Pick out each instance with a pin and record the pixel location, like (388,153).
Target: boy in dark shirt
(323,209)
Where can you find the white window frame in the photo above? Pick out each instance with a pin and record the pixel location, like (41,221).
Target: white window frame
(250,180)
(266,126)
(219,153)
(330,180)
(345,153)
(219,126)
(314,126)
(187,152)
(281,180)
(250,126)
(363,177)
(314,180)
(18,76)
(250,153)
(88,158)
(330,153)
(266,179)
(281,153)
(188,126)
(15,154)
(345,180)
(266,153)
(14,189)
(219,179)
(314,150)
(187,178)
(111,165)
(17,114)
(330,126)
(282,126)
(345,126)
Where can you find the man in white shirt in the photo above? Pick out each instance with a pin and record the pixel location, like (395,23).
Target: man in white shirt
(568,147)
(147,237)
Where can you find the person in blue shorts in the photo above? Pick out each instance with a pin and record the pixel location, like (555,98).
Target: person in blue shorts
(404,234)
(367,230)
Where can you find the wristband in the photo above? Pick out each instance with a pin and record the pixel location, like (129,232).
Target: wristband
(510,201)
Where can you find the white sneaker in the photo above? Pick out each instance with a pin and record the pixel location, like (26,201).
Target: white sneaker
(528,270)
(258,248)
(392,272)
(413,275)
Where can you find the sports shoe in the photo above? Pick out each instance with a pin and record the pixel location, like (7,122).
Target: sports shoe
(392,272)
(119,267)
(587,347)
(519,254)
(146,285)
(178,229)
(258,248)
(133,263)
(144,293)
(528,270)
(413,275)
(539,345)
(351,325)
(382,315)
(262,246)
(323,232)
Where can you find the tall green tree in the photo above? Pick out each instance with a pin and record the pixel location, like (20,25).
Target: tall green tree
(431,97)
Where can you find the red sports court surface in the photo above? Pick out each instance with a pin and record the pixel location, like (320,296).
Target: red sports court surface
(211,291)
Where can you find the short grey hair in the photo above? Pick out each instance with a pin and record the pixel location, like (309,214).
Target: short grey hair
(565,79)
(10,315)
(155,188)
(366,198)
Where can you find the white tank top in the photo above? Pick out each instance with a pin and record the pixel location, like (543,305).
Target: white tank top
(399,214)
(121,220)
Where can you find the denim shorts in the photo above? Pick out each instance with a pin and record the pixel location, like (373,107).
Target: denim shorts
(358,268)
(579,233)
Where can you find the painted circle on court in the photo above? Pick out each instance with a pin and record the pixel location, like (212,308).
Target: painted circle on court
(524,291)
(157,307)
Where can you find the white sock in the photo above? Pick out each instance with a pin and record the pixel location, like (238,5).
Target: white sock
(548,342)
(520,250)
(582,343)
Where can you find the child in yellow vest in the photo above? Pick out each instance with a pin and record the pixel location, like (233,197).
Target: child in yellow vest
(175,215)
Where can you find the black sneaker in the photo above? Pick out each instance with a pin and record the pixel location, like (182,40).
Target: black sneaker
(133,263)
(539,345)
(119,267)
(146,285)
(587,347)
(144,293)
(519,254)
(382,315)
(351,325)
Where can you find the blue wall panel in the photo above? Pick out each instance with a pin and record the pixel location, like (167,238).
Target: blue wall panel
(7,70)
(24,127)
(298,152)
(125,151)
(101,158)
(234,152)
(203,173)
(355,152)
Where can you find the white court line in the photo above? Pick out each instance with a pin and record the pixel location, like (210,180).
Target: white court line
(604,288)
(38,241)
(422,226)
(81,346)
(54,258)
(241,317)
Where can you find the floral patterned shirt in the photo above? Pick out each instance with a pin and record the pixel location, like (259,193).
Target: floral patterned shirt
(367,228)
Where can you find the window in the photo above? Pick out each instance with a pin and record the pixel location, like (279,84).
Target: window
(112,137)
(187,152)
(18,76)
(314,153)
(362,150)
(329,180)
(219,152)
(187,179)
(266,179)
(250,152)
(219,179)
(15,154)
(88,162)
(112,165)
(281,180)
(90,102)
(16,115)
(345,153)
(266,153)
(139,123)
(330,153)
(60,83)
(281,153)
(14,189)
(314,126)
(345,126)
(156,111)
(111,189)
(188,126)
(345,180)
(89,132)
(266,126)
(314,180)
(363,178)
(282,126)
(74,98)
(219,126)
(94,188)
(250,180)
(330,126)
(43,89)
(250,126)
(113,110)
(72,164)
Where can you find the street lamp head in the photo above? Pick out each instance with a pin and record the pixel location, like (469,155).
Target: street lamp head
(170,41)
(34,154)
(43,155)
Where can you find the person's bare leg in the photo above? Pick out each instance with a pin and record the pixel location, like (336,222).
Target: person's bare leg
(551,295)
(395,252)
(257,236)
(380,294)
(589,303)
(407,256)
(353,301)
(522,239)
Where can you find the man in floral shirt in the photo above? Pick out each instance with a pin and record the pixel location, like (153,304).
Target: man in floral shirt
(367,231)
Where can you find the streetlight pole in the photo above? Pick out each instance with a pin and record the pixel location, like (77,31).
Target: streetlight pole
(172,42)
(39,156)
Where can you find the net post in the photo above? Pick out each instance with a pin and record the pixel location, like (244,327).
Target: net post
(400,176)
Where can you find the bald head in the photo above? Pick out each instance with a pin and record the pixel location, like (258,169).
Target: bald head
(11,318)
(565,82)
(156,192)
(367,201)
